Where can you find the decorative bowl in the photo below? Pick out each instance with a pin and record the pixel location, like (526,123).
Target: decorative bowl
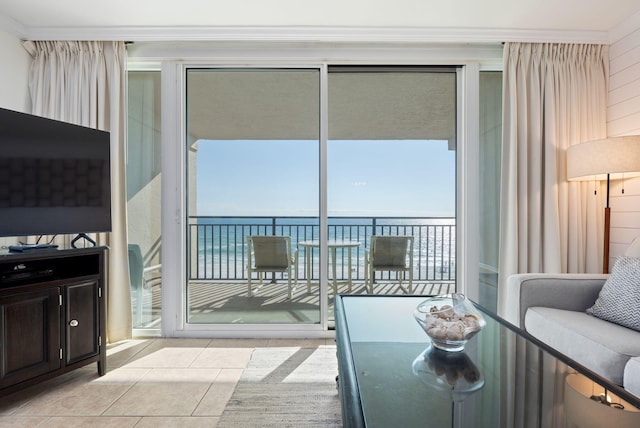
(449,320)
(453,375)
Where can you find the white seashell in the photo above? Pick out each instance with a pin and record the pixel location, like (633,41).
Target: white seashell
(455,331)
(439,333)
(472,324)
(431,321)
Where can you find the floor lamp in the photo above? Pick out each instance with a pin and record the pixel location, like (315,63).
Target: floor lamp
(605,159)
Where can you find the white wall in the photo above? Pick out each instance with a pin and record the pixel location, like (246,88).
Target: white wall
(624,119)
(14,90)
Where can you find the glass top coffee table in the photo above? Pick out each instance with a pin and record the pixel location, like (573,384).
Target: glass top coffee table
(391,376)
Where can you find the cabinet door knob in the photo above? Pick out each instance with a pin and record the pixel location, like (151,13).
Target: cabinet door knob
(73,323)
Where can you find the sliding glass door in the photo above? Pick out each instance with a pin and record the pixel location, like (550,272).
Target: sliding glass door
(252,153)
(144,199)
(261,248)
(489,190)
(391,175)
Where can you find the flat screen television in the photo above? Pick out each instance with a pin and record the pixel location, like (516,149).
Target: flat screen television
(54,177)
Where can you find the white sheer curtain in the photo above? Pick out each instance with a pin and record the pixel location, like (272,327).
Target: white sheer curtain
(554,96)
(84,83)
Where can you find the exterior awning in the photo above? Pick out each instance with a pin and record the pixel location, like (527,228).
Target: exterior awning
(283,104)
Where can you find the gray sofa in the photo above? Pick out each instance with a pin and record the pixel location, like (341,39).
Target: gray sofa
(551,307)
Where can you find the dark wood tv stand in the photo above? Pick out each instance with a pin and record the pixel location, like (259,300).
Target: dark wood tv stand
(52,314)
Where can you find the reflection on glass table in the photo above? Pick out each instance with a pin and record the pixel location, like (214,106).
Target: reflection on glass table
(453,375)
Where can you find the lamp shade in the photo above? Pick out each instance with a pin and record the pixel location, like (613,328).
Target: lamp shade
(582,411)
(593,160)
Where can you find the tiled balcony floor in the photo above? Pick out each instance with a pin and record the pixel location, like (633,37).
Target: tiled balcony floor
(226,301)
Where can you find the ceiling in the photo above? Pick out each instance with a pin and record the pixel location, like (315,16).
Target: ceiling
(192,19)
(283,105)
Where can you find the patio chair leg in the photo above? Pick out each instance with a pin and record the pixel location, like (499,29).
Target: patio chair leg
(400,276)
(259,284)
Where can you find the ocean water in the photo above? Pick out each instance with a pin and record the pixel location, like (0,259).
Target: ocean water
(219,244)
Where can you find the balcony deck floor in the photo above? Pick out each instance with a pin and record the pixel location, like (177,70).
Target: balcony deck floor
(226,301)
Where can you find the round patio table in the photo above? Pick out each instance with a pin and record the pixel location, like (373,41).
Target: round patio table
(332,245)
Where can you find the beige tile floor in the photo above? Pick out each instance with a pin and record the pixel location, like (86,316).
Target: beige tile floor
(150,383)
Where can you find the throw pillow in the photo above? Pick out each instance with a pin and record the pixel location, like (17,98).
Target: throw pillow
(634,249)
(619,299)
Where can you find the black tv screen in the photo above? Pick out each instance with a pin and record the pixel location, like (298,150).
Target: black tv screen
(54,177)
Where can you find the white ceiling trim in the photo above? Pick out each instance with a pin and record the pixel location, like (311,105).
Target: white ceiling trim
(314,34)
(629,26)
(313,53)
(12,27)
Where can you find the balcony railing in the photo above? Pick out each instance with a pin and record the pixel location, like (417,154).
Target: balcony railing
(218,244)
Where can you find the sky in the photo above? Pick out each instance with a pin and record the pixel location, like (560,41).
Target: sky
(407,178)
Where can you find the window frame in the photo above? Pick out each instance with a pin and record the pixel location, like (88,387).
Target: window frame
(173,231)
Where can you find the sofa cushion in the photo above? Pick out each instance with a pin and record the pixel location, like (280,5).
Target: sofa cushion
(632,376)
(619,298)
(599,345)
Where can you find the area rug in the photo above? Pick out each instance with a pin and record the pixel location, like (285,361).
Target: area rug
(286,387)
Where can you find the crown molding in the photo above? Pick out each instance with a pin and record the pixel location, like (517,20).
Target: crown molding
(12,27)
(315,34)
(629,26)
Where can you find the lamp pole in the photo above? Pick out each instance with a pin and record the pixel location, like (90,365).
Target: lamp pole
(607,228)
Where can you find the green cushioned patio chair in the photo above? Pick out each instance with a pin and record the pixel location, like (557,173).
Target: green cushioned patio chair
(271,254)
(390,254)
